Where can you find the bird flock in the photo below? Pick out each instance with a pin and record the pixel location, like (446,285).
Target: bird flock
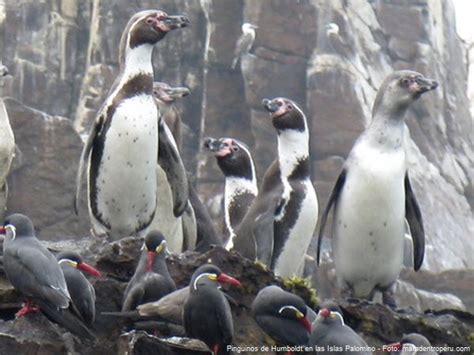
(137,187)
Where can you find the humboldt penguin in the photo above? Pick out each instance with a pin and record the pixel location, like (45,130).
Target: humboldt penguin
(244,43)
(122,148)
(330,332)
(81,291)
(166,96)
(35,273)
(174,213)
(412,344)
(373,196)
(280,223)
(151,280)
(206,313)
(236,163)
(282,315)
(7,145)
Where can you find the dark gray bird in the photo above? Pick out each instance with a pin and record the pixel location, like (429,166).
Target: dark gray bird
(244,43)
(331,334)
(282,315)
(236,163)
(81,291)
(36,274)
(373,196)
(151,280)
(412,344)
(122,148)
(206,313)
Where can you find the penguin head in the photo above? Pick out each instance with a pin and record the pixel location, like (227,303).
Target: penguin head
(332,28)
(3,70)
(286,115)
(17,225)
(414,340)
(210,275)
(150,26)
(75,260)
(400,89)
(167,94)
(248,27)
(233,157)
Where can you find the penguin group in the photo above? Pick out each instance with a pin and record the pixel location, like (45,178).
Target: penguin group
(138,186)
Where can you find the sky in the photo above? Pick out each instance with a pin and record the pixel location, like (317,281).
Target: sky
(464,19)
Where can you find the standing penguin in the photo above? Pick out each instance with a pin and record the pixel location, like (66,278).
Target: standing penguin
(283,315)
(235,161)
(122,147)
(373,196)
(7,145)
(174,213)
(206,314)
(35,273)
(244,43)
(81,291)
(280,223)
(151,280)
(330,332)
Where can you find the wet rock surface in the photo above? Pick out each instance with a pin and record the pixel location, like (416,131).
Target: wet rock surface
(35,334)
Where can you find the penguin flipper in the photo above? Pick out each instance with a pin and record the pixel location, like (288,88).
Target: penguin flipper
(415,221)
(264,235)
(86,151)
(170,161)
(336,191)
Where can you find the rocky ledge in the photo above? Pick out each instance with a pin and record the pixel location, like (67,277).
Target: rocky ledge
(34,334)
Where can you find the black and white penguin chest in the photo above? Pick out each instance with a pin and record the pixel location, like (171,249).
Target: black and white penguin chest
(238,196)
(122,175)
(297,212)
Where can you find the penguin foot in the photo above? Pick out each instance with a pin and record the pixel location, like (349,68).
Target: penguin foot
(389,300)
(28,307)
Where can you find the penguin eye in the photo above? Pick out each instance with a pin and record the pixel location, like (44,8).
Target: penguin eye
(155,93)
(150,20)
(235,149)
(290,107)
(279,103)
(406,81)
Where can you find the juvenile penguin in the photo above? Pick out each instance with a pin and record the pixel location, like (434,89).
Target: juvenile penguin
(244,43)
(174,213)
(122,148)
(236,163)
(206,313)
(166,96)
(151,280)
(373,196)
(330,332)
(282,315)
(35,273)
(7,145)
(280,223)
(81,291)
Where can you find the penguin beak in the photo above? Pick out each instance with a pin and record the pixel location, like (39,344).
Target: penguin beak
(270,105)
(178,92)
(224,278)
(89,269)
(3,230)
(212,144)
(174,22)
(425,84)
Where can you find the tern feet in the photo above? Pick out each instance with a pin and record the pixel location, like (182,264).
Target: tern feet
(28,307)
